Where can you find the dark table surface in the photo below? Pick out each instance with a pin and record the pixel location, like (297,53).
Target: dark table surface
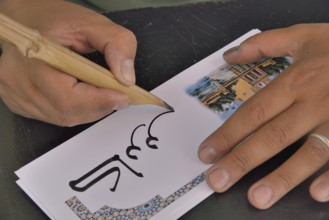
(170,40)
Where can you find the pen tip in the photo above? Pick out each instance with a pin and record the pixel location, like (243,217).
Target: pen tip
(169,107)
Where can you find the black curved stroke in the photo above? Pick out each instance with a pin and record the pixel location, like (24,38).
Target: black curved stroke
(133,146)
(151,137)
(73,184)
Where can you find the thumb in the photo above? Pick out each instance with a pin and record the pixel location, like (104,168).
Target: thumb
(273,43)
(119,46)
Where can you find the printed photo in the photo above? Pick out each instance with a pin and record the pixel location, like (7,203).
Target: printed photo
(227,87)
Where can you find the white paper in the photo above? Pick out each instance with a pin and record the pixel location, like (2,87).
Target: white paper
(171,167)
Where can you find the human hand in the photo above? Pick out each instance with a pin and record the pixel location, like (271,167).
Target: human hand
(294,104)
(35,90)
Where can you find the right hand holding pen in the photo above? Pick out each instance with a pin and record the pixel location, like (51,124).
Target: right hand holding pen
(35,90)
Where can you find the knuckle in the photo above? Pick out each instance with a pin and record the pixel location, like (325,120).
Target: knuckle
(104,107)
(256,113)
(241,161)
(130,34)
(220,142)
(302,76)
(9,103)
(64,121)
(317,152)
(65,110)
(226,142)
(257,39)
(276,135)
(64,106)
(305,77)
(286,180)
(261,36)
(127,34)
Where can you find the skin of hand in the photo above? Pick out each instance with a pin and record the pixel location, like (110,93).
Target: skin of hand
(35,90)
(294,104)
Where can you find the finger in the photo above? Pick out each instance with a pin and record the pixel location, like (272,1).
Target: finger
(72,102)
(264,144)
(273,43)
(119,46)
(306,161)
(255,112)
(320,188)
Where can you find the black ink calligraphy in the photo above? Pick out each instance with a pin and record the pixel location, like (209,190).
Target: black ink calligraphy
(151,137)
(133,146)
(74,184)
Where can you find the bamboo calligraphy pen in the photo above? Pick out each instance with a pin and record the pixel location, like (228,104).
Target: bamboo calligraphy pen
(33,45)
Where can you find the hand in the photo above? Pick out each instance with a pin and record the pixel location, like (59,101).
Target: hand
(293,105)
(35,90)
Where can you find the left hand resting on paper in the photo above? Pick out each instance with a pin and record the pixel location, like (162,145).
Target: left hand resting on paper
(293,105)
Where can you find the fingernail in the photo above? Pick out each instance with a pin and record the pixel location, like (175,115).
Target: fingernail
(128,71)
(218,179)
(322,191)
(233,49)
(262,195)
(121,106)
(208,154)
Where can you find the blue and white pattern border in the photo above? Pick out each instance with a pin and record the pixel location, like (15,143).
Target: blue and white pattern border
(141,212)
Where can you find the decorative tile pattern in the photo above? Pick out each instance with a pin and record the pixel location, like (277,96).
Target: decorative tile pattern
(141,212)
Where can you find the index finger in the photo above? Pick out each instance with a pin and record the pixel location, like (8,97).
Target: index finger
(118,45)
(272,43)
(255,112)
